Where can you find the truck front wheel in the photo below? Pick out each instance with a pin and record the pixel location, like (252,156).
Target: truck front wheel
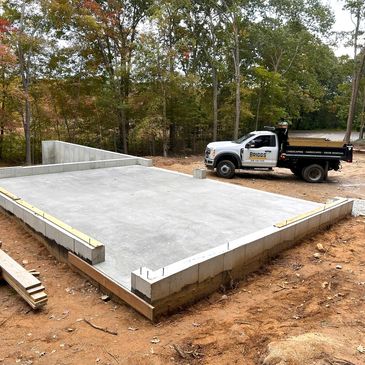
(313,173)
(226,169)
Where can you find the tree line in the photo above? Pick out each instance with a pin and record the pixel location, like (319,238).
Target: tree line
(164,77)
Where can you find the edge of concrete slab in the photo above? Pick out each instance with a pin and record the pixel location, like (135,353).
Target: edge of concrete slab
(86,247)
(190,279)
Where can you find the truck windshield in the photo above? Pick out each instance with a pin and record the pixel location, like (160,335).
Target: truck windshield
(242,139)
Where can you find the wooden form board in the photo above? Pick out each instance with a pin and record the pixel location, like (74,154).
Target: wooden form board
(22,281)
(109,284)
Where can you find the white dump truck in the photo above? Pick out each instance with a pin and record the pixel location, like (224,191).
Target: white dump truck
(308,158)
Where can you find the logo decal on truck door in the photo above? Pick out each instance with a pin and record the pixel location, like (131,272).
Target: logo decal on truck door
(257,155)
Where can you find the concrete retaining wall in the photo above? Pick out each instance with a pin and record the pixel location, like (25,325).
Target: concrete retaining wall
(17,171)
(57,152)
(88,249)
(190,279)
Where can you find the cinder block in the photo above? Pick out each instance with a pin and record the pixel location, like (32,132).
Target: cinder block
(235,258)
(9,205)
(255,249)
(272,240)
(35,221)
(160,289)
(200,173)
(141,285)
(183,278)
(145,162)
(94,254)
(325,218)
(301,229)
(313,223)
(211,267)
(287,234)
(18,211)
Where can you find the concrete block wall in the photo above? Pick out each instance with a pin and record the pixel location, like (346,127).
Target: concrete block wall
(38,222)
(17,171)
(58,152)
(205,272)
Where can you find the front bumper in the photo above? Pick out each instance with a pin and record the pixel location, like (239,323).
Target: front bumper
(209,163)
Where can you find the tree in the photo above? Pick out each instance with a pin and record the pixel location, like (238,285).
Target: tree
(357,9)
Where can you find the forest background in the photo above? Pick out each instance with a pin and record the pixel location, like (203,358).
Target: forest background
(166,77)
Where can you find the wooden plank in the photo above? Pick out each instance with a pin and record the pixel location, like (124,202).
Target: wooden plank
(20,275)
(8,194)
(125,295)
(24,294)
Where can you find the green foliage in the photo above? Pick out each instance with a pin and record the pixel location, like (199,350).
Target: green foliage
(144,74)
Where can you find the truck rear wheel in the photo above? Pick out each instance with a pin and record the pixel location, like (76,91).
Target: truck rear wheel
(313,173)
(226,169)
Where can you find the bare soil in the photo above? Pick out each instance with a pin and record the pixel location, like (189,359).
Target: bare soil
(296,310)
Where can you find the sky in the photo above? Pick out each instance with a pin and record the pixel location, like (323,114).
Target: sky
(343,23)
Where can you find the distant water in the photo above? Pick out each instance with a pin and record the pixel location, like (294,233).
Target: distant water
(331,135)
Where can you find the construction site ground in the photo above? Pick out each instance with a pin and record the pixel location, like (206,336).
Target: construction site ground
(307,306)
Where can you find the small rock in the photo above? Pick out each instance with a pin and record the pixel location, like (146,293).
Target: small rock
(320,248)
(324,285)
(224,297)
(317,255)
(132,329)
(105,298)
(339,267)
(42,354)
(155,340)
(361,349)
(196,324)
(25,262)
(70,329)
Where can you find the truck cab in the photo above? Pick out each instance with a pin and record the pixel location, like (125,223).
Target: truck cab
(259,149)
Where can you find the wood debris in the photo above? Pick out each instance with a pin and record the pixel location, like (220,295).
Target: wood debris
(23,282)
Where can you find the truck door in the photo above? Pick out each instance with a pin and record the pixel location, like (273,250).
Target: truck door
(261,151)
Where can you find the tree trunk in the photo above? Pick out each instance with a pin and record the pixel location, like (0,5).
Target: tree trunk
(123,130)
(356,76)
(354,94)
(165,128)
(236,59)
(258,111)
(2,122)
(215,102)
(25,76)
(362,118)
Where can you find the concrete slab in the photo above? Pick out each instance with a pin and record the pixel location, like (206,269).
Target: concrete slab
(151,217)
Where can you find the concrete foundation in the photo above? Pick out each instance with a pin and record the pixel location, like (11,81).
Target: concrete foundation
(167,237)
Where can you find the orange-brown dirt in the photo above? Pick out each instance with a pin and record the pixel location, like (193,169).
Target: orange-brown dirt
(297,310)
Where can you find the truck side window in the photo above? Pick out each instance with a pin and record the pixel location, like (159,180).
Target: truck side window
(264,141)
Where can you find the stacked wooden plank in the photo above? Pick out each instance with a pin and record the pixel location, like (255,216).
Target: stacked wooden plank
(22,281)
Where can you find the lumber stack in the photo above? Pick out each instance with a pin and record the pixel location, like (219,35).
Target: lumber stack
(22,281)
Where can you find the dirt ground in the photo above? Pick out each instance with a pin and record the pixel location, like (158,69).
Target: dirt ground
(296,310)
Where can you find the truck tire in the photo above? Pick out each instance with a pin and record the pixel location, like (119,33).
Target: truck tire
(226,169)
(313,173)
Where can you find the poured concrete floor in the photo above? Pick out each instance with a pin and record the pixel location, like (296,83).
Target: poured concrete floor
(151,217)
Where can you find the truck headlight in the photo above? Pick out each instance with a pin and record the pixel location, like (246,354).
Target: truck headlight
(212,153)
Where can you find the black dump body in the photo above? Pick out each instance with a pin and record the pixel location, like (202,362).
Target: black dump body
(290,156)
